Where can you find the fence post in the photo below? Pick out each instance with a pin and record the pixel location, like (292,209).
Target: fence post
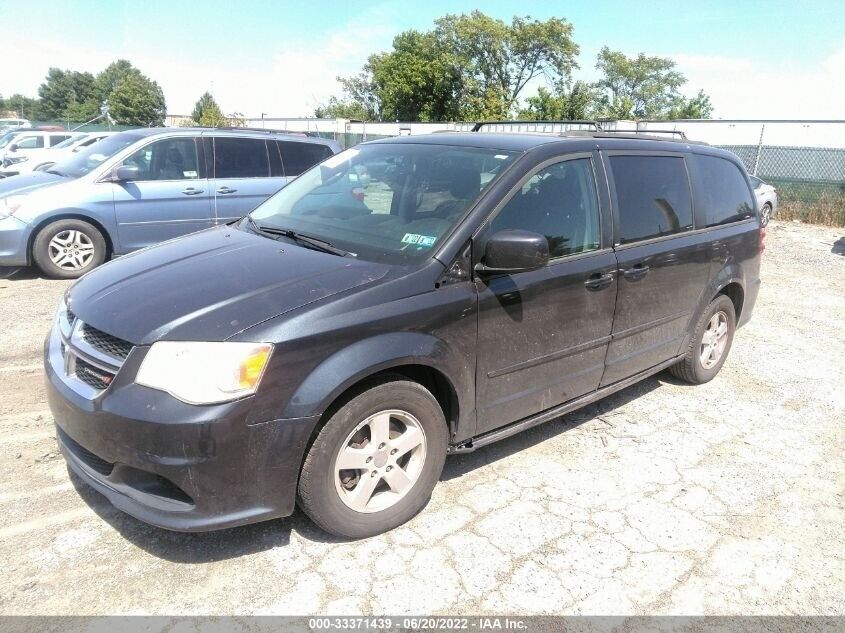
(759,149)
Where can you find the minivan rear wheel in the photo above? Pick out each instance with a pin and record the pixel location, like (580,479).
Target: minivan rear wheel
(67,249)
(709,344)
(374,464)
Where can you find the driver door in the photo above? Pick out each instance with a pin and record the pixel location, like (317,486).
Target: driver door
(169,198)
(543,334)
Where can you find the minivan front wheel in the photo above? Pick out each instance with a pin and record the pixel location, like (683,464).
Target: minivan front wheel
(709,344)
(68,249)
(374,464)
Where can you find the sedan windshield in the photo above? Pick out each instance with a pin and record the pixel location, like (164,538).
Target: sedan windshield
(93,156)
(386,202)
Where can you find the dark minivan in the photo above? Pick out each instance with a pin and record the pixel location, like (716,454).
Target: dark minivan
(402,300)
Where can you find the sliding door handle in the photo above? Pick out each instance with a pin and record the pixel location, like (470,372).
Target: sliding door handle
(636,272)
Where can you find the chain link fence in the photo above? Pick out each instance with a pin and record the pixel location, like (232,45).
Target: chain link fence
(810,181)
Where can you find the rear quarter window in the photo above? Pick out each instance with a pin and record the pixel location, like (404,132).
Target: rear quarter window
(653,196)
(298,157)
(723,192)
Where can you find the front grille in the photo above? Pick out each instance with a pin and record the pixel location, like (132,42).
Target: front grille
(106,343)
(95,463)
(71,317)
(93,376)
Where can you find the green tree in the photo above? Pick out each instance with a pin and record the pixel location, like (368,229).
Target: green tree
(336,108)
(500,59)
(207,112)
(579,102)
(24,107)
(643,87)
(697,107)
(110,76)
(67,92)
(137,100)
(468,66)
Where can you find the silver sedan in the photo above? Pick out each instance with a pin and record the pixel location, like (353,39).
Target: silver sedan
(767,199)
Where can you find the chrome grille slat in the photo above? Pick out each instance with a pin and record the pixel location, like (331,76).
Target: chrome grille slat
(90,357)
(106,343)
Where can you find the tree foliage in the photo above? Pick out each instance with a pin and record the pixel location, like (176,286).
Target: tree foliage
(336,108)
(645,87)
(579,102)
(65,93)
(206,112)
(468,66)
(137,100)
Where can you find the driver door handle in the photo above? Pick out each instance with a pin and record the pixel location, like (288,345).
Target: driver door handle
(598,281)
(190,191)
(225,190)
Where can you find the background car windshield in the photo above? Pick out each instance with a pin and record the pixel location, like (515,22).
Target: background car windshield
(7,138)
(390,202)
(93,156)
(68,142)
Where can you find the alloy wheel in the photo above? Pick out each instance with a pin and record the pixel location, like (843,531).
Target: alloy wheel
(380,461)
(714,340)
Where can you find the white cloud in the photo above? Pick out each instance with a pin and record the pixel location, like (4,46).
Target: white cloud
(741,88)
(290,81)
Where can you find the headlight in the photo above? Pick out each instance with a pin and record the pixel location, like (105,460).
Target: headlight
(204,373)
(14,160)
(10,204)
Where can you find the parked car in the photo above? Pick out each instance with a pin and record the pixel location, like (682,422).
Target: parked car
(333,354)
(137,188)
(13,124)
(29,143)
(42,159)
(767,199)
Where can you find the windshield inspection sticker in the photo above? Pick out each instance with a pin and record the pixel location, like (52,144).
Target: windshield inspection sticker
(426,241)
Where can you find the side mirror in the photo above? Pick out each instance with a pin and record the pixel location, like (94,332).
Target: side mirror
(513,251)
(13,147)
(125,173)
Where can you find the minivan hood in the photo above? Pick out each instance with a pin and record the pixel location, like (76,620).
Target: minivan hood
(210,285)
(25,183)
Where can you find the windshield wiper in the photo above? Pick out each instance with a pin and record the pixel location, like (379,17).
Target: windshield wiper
(307,240)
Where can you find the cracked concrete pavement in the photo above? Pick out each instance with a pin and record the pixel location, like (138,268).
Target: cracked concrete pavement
(725,498)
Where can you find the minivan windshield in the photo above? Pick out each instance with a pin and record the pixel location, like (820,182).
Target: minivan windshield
(93,156)
(386,202)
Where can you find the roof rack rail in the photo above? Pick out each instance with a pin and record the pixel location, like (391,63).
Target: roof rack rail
(568,125)
(268,130)
(654,132)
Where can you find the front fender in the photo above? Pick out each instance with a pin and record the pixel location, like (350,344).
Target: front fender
(367,357)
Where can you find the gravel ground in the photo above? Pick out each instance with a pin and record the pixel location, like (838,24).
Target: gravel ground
(662,499)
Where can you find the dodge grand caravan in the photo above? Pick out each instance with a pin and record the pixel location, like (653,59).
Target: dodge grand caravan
(402,300)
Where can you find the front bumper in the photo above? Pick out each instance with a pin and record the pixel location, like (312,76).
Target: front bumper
(170,464)
(14,236)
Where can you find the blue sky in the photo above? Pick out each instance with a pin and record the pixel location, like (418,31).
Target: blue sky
(756,59)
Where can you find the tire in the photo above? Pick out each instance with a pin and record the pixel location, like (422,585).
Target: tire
(327,494)
(85,249)
(43,167)
(693,368)
(765,214)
